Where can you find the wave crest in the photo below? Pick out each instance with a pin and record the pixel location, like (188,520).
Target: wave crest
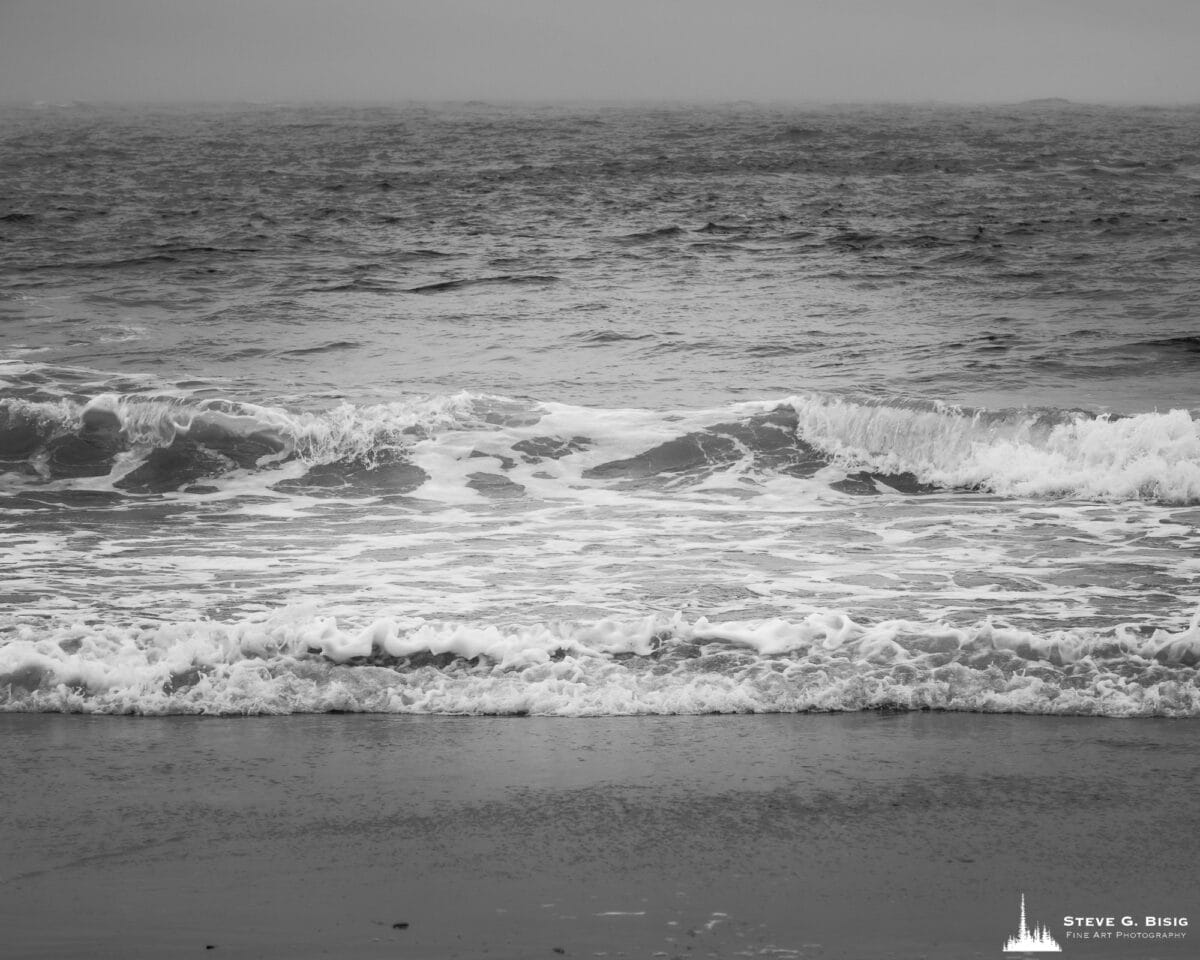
(298,660)
(147,443)
(1039,453)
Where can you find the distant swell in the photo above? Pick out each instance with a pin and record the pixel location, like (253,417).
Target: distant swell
(661,233)
(1183,345)
(504,280)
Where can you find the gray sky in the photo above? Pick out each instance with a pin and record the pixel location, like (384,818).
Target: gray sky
(600,49)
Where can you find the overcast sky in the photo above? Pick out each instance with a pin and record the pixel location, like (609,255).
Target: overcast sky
(1131,50)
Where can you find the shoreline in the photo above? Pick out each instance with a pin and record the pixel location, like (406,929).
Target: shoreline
(824,836)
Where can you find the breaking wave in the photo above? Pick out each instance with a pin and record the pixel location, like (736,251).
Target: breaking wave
(144,444)
(1040,453)
(299,661)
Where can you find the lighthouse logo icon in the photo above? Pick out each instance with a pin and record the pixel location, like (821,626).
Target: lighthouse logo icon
(1030,940)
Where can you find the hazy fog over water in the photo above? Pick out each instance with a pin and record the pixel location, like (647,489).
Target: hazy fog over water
(956,50)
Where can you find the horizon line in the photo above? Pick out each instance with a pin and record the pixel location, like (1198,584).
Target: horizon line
(1047,101)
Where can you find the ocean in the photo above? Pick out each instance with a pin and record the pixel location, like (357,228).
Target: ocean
(598,410)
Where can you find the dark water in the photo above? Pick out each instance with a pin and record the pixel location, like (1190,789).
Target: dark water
(563,409)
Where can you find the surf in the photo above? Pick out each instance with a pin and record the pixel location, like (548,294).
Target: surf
(165,444)
(300,660)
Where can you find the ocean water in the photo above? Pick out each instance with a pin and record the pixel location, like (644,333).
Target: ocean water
(593,410)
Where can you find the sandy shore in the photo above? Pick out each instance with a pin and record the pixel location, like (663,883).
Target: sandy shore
(822,836)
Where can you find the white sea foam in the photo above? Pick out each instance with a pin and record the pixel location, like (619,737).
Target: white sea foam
(1151,456)
(300,661)
(1016,453)
(365,433)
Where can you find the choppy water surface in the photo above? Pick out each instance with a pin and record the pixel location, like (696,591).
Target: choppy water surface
(599,409)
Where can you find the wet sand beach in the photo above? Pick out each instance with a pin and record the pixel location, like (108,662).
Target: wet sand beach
(817,836)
